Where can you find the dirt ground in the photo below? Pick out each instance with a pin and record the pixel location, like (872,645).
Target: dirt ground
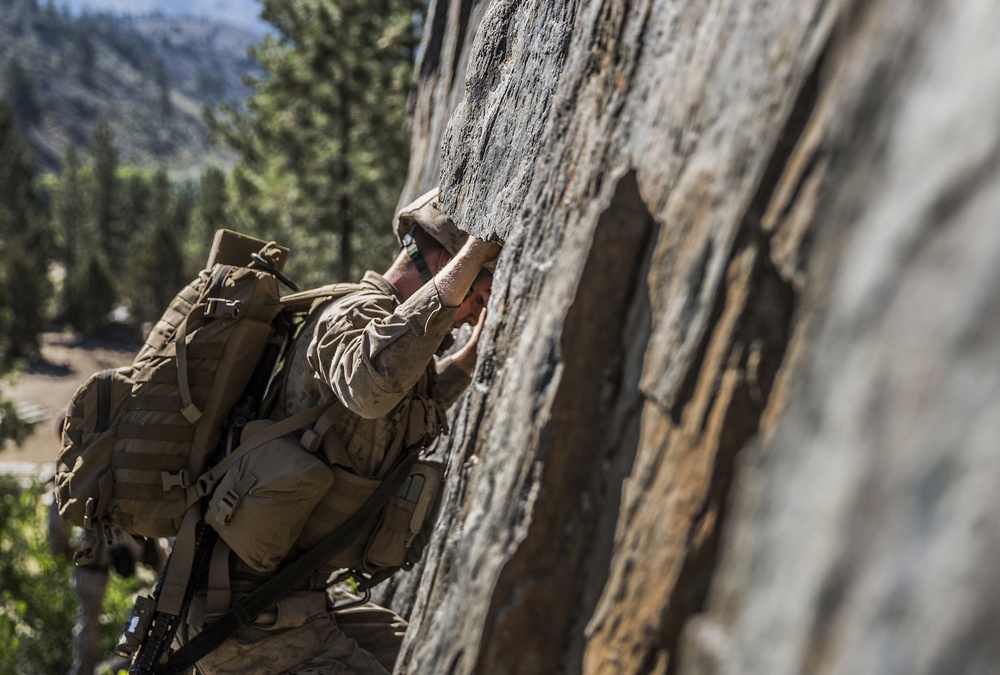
(47,387)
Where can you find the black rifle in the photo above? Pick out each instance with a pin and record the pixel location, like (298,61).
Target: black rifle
(148,632)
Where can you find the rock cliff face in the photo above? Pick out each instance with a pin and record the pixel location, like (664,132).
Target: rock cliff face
(740,407)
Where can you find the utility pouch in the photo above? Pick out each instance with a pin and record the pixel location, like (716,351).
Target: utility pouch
(410,513)
(396,537)
(263,501)
(84,480)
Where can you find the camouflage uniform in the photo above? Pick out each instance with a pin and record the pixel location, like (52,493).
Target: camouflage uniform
(375,353)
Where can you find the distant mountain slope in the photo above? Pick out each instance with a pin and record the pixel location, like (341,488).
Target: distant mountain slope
(243,13)
(148,77)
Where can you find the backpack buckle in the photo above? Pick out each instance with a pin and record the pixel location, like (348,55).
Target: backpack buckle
(220,308)
(175,479)
(228,504)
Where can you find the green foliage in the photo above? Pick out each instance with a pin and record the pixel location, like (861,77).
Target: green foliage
(65,73)
(35,622)
(37,606)
(157,268)
(12,427)
(322,144)
(90,294)
(24,244)
(321,148)
(70,214)
(25,294)
(120,233)
(209,214)
(92,238)
(112,235)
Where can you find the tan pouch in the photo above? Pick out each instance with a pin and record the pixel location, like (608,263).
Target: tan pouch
(262,503)
(348,493)
(409,513)
(84,478)
(396,537)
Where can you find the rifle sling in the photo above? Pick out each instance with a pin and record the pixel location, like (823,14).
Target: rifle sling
(248,608)
(175,581)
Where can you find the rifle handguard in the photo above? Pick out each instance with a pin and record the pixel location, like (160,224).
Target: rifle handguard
(136,627)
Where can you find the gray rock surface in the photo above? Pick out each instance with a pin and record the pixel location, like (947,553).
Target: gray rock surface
(740,403)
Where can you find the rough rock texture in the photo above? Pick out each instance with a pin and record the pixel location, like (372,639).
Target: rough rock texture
(740,408)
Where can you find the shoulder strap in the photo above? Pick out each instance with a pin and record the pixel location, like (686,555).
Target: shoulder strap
(247,609)
(303,304)
(208,480)
(303,300)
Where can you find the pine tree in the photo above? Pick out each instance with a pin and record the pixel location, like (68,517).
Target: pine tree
(112,236)
(70,211)
(136,203)
(24,241)
(209,215)
(90,294)
(323,146)
(157,269)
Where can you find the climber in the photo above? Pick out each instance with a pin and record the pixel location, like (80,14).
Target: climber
(376,351)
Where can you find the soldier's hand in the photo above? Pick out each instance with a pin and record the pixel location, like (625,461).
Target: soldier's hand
(465,357)
(457,277)
(486,251)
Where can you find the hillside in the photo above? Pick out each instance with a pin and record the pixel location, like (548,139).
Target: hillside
(148,77)
(242,13)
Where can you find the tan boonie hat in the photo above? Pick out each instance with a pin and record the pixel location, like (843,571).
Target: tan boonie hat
(425,212)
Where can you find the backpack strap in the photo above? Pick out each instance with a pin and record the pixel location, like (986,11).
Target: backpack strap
(208,480)
(188,408)
(319,437)
(304,300)
(175,583)
(218,591)
(219,596)
(248,608)
(191,411)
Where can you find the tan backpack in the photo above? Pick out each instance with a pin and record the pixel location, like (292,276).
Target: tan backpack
(138,439)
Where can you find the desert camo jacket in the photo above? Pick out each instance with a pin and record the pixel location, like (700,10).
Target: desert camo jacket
(375,354)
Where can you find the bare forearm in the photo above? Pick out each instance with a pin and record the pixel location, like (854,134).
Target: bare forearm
(457,277)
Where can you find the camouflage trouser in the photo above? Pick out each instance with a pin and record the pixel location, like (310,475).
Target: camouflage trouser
(301,637)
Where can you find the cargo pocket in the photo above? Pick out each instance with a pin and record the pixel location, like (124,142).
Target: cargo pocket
(387,547)
(262,503)
(388,539)
(408,518)
(348,493)
(83,480)
(289,633)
